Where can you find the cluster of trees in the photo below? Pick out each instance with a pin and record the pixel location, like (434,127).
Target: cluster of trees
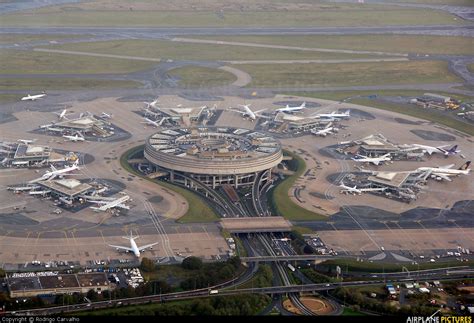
(358,299)
(316,277)
(230,305)
(264,276)
(298,243)
(209,274)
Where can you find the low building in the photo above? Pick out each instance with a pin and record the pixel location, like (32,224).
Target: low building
(34,284)
(68,188)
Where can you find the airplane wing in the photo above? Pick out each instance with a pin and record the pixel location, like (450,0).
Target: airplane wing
(142,248)
(376,162)
(445,177)
(122,248)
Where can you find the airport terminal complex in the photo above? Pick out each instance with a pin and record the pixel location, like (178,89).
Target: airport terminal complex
(213,156)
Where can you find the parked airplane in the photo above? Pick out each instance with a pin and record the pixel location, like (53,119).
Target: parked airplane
(76,137)
(42,193)
(348,189)
(27,141)
(335,115)
(106,115)
(247,112)
(57,172)
(323,132)
(133,246)
(151,122)
(152,104)
(445,172)
(430,150)
(374,160)
(62,115)
(105,205)
(33,97)
(289,109)
(22,188)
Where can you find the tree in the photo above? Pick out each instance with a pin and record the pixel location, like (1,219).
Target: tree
(192,263)
(92,295)
(147,265)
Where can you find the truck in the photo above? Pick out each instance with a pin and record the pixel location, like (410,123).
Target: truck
(213,291)
(291,267)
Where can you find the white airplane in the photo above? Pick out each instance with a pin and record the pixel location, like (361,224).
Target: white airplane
(33,97)
(151,122)
(110,204)
(335,115)
(152,104)
(22,188)
(74,138)
(430,150)
(323,132)
(247,112)
(348,189)
(57,172)
(133,246)
(62,115)
(374,160)
(289,109)
(445,172)
(106,115)
(27,141)
(43,193)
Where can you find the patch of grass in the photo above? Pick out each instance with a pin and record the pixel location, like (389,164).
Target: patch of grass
(7,98)
(166,49)
(30,62)
(196,76)
(280,199)
(328,15)
(380,267)
(470,67)
(372,42)
(348,74)
(176,272)
(24,38)
(407,109)
(198,210)
(350,312)
(40,84)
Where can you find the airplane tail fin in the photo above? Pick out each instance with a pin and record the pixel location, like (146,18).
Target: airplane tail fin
(303,105)
(465,166)
(453,149)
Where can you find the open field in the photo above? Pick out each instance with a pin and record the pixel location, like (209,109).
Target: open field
(322,15)
(196,76)
(348,74)
(470,67)
(281,202)
(193,51)
(198,210)
(384,43)
(6,98)
(40,84)
(21,62)
(408,109)
(23,38)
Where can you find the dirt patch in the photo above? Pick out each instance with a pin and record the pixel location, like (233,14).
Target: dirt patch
(288,305)
(317,305)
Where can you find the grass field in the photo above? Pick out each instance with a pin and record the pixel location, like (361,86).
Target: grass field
(198,210)
(384,43)
(193,51)
(24,38)
(408,109)
(7,98)
(196,76)
(41,84)
(280,199)
(29,62)
(350,312)
(348,74)
(470,67)
(324,15)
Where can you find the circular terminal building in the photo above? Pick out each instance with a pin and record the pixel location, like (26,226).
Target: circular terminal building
(213,156)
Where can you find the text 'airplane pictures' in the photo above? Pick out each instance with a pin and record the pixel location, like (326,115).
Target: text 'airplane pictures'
(133,246)
(33,97)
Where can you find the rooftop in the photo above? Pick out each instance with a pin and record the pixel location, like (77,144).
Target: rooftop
(394,179)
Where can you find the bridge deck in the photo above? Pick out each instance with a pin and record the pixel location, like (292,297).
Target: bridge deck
(257,224)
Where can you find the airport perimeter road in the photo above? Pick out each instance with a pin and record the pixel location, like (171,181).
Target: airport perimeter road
(205,293)
(161,32)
